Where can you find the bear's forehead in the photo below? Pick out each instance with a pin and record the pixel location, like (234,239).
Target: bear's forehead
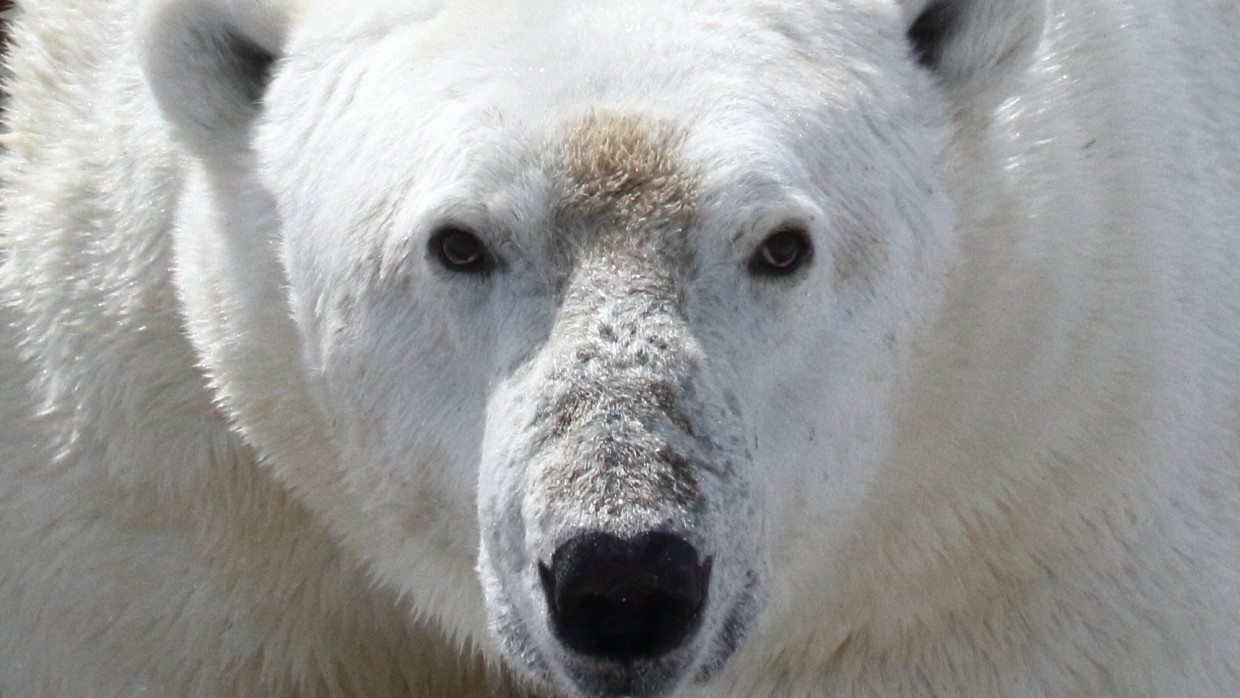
(620,180)
(621,191)
(436,117)
(434,67)
(593,45)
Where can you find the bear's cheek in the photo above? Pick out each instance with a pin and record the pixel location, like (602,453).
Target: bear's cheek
(407,434)
(815,365)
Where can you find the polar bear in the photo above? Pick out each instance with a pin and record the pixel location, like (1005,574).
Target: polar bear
(646,348)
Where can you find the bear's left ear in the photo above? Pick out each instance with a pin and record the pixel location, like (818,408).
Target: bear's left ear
(973,45)
(208,63)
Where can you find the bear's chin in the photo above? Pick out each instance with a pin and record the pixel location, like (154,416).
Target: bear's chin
(643,678)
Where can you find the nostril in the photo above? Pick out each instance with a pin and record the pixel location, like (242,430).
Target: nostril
(625,599)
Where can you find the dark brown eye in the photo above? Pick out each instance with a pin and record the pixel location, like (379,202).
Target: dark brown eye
(782,252)
(460,250)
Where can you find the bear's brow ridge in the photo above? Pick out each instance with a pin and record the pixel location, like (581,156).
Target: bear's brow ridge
(621,172)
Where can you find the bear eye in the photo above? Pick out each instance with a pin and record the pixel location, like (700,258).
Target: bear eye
(460,250)
(782,252)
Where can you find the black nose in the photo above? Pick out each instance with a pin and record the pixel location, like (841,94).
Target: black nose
(625,599)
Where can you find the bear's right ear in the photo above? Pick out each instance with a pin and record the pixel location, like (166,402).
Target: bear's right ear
(208,63)
(973,45)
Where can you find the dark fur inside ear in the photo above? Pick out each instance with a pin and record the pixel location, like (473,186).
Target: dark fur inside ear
(209,64)
(974,46)
(932,29)
(249,66)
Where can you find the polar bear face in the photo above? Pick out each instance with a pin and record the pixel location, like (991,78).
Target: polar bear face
(596,312)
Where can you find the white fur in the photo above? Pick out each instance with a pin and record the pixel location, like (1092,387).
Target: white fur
(255,441)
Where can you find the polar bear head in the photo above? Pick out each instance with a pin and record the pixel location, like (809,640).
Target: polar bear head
(579,323)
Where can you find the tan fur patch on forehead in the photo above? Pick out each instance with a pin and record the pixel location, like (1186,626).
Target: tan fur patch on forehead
(622,170)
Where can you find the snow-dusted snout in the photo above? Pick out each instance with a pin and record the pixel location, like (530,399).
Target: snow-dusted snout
(620,535)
